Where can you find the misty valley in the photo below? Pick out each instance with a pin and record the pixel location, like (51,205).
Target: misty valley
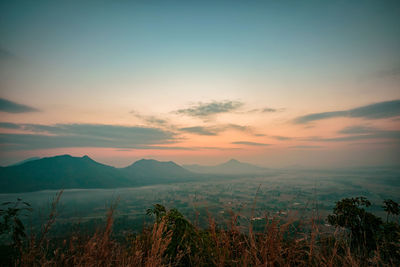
(285,193)
(70,209)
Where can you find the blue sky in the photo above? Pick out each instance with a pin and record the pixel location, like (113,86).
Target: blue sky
(180,34)
(139,63)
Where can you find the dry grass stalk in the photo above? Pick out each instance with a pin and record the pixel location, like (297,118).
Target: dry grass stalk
(282,243)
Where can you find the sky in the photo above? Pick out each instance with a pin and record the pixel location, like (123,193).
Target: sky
(274,83)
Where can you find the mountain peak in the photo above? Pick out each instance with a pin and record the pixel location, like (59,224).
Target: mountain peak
(86,157)
(61,156)
(68,157)
(233,161)
(63,171)
(147,160)
(232,166)
(153,169)
(153,162)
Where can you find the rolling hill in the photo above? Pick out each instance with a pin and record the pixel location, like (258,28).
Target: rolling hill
(67,172)
(149,171)
(60,172)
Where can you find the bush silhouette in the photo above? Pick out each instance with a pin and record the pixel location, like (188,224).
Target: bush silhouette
(172,240)
(184,236)
(391,208)
(364,226)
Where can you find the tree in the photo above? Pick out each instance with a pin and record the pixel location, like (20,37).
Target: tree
(158,210)
(11,223)
(183,232)
(12,230)
(364,226)
(391,207)
(390,242)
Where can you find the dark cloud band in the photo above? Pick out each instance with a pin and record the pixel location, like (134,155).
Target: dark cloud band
(247,143)
(355,133)
(380,110)
(82,135)
(199,130)
(214,130)
(12,107)
(203,110)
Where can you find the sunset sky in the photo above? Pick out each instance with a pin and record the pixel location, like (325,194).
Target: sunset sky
(274,83)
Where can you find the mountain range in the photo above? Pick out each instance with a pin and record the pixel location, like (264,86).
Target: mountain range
(67,172)
(231,167)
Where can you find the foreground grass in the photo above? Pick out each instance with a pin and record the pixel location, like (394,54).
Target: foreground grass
(174,241)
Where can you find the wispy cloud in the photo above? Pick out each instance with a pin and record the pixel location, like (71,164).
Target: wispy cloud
(263,110)
(190,148)
(204,110)
(214,129)
(12,107)
(380,110)
(248,143)
(200,130)
(389,72)
(9,125)
(358,129)
(6,55)
(236,127)
(267,110)
(149,119)
(355,133)
(305,147)
(281,138)
(83,135)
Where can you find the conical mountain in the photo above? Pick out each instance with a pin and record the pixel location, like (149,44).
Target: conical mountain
(230,167)
(150,171)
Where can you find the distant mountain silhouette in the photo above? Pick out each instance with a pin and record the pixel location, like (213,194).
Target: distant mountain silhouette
(66,172)
(60,172)
(231,167)
(150,171)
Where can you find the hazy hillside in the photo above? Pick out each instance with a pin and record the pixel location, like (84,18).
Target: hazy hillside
(25,161)
(231,167)
(60,172)
(149,171)
(66,172)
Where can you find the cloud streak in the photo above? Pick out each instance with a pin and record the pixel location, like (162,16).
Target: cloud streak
(6,55)
(268,110)
(150,120)
(83,135)
(391,72)
(204,110)
(200,130)
(380,110)
(305,147)
(214,130)
(355,133)
(248,143)
(12,107)
(9,125)
(281,138)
